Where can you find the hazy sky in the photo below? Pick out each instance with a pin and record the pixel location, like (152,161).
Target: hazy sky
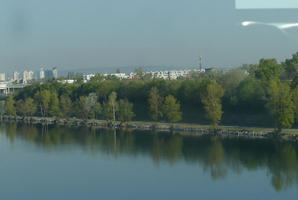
(75,34)
(266,4)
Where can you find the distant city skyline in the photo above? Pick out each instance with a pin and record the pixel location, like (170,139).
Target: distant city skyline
(101,34)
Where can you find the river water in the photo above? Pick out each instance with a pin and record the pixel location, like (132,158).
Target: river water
(82,163)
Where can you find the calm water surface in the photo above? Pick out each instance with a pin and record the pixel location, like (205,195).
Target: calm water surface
(81,163)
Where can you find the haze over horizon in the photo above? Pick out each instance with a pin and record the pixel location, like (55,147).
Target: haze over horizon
(99,34)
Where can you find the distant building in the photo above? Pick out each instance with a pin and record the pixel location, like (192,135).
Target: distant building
(70,75)
(88,77)
(41,74)
(2,77)
(117,75)
(55,72)
(69,81)
(51,73)
(28,76)
(16,76)
(48,74)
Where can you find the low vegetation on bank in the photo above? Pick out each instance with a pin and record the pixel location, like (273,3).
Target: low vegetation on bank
(268,88)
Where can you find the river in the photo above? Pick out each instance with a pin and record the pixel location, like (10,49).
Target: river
(57,162)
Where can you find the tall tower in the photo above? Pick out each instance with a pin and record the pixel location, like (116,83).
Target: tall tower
(201,63)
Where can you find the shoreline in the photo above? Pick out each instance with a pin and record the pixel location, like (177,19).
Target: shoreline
(182,128)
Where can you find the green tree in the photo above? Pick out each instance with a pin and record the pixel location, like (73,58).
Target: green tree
(54,107)
(29,107)
(212,102)
(43,99)
(230,82)
(147,76)
(2,108)
(98,110)
(155,104)
(88,106)
(294,82)
(280,104)
(79,78)
(91,106)
(140,73)
(97,78)
(268,69)
(111,107)
(291,66)
(10,106)
(295,101)
(20,107)
(171,109)
(26,108)
(66,106)
(250,95)
(125,113)
(250,68)
(80,109)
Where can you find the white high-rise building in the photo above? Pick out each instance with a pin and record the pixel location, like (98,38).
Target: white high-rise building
(41,74)
(2,77)
(30,75)
(27,76)
(16,76)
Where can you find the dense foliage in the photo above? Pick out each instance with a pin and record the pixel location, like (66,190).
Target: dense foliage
(263,94)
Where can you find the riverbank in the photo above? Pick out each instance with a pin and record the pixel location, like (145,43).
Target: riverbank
(183,128)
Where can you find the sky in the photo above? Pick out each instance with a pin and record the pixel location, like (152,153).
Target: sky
(80,34)
(266,4)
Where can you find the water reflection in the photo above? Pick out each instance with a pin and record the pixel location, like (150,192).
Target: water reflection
(218,156)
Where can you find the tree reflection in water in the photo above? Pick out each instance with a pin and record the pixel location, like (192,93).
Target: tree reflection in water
(216,155)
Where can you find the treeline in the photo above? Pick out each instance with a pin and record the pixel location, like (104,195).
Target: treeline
(268,88)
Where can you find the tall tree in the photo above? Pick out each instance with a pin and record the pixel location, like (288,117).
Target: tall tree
(111,107)
(280,104)
(155,104)
(80,108)
(91,106)
(295,101)
(125,113)
(54,108)
(2,108)
(212,102)
(66,106)
(267,70)
(43,99)
(291,66)
(250,95)
(29,107)
(171,109)
(87,106)
(26,108)
(10,106)
(20,107)
(98,110)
